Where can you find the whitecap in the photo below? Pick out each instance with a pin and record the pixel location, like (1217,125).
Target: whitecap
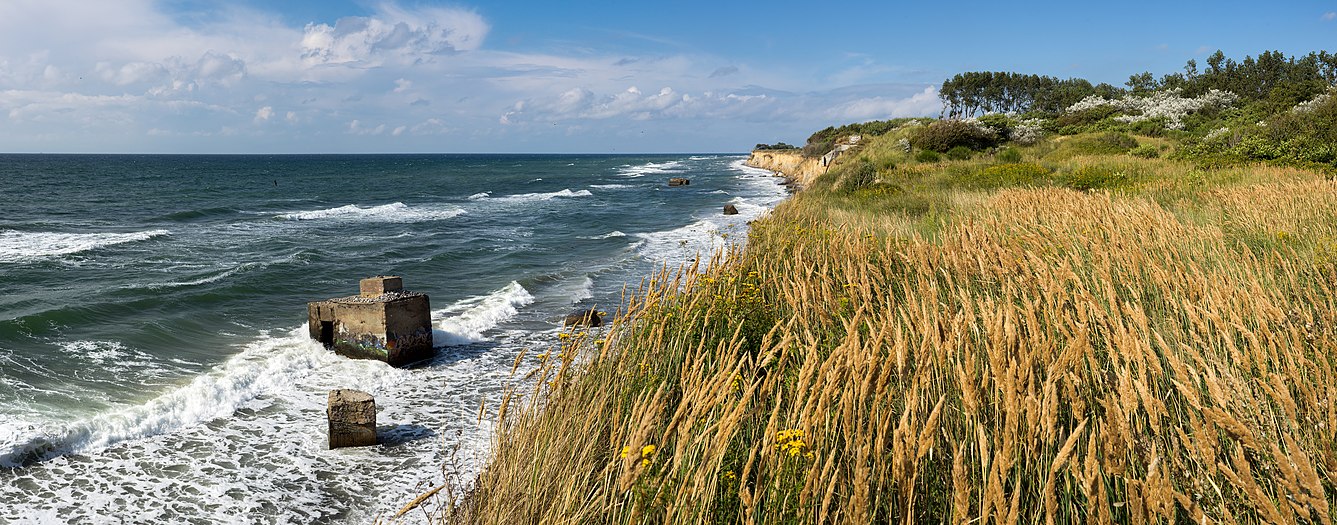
(465,321)
(539,197)
(649,168)
(393,212)
(18,246)
(608,235)
(699,239)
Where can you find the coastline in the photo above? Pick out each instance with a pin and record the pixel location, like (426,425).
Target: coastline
(948,339)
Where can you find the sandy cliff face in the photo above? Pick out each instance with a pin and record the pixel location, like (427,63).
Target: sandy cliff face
(789,163)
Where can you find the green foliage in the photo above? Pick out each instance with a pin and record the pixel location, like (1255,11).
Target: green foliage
(1096,177)
(777,145)
(1110,143)
(1014,174)
(927,156)
(858,176)
(958,153)
(1001,125)
(943,135)
(973,92)
(1008,155)
(1079,121)
(822,141)
(1146,151)
(1295,136)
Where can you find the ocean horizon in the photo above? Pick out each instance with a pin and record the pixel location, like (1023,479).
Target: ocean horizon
(154,360)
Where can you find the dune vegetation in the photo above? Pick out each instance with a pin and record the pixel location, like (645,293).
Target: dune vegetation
(1006,319)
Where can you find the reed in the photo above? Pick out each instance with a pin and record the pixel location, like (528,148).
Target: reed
(1162,352)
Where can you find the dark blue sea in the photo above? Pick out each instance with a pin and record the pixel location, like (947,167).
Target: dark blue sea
(155,365)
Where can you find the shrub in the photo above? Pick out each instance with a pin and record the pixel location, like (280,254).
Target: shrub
(1074,121)
(1146,151)
(1015,174)
(777,145)
(858,176)
(1008,155)
(958,153)
(1001,125)
(1094,177)
(1110,143)
(943,135)
(1027,132)
(817,149)
(927,156)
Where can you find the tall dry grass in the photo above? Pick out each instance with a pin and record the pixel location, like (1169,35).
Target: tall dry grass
(1047,356)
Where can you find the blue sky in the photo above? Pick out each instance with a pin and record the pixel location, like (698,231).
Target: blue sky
(251,76)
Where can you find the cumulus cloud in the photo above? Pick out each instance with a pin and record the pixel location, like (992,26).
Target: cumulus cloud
(393,34)
(925,102)
(98,76)
(1329,16)
(582,103)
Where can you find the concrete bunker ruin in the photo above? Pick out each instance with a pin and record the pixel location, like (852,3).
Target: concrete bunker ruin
(383,322)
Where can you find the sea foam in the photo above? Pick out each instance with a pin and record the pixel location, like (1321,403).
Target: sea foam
(268,364)
(20,246)
(464,322)
(649,168)
(532,197)
(393,212)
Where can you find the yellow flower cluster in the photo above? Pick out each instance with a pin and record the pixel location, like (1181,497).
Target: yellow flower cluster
(646,452)
(791,442)
(736,384)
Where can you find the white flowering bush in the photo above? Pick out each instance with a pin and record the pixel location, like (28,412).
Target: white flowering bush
(1168,105)
(980,127)
(1216,133)
(1089,103)
(903,144)
(1027,132)
(1308,106)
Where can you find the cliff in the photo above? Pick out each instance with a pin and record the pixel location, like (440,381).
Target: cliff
(788,163)
(792,164)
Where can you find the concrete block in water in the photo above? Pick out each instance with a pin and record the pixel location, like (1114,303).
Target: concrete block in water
(394,325)
(379,285)
(352,418)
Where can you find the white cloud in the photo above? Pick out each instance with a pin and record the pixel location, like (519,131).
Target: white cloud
(93,76)
(923,103)
(1329,16)
(393,34)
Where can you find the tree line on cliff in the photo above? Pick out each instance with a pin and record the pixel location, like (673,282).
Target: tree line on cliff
(1272,77)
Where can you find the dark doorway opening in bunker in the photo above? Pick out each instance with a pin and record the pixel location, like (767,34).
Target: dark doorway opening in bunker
(327,333)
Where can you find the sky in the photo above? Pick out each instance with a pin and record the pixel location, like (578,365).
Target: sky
(401,76)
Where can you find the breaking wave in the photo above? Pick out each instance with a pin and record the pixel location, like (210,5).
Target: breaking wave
(18,246)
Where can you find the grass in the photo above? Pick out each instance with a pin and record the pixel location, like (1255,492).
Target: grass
(1072,346)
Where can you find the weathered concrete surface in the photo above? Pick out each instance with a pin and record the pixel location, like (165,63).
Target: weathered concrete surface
(379,285)
(394,326)
(352,418)
(679,181)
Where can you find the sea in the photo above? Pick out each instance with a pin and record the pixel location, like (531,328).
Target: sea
(155,365)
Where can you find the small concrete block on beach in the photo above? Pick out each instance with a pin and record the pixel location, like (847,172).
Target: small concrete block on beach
(352,418)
